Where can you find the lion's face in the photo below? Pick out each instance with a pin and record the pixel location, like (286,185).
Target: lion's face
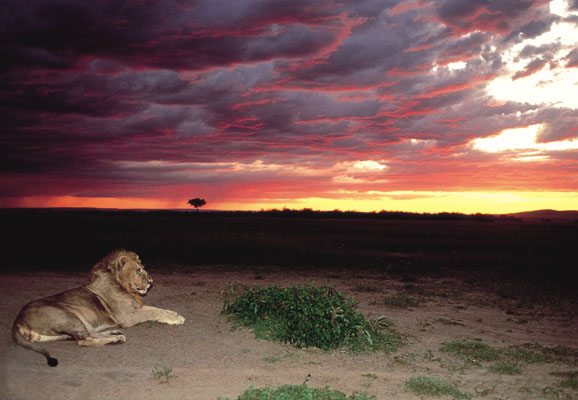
(132,275)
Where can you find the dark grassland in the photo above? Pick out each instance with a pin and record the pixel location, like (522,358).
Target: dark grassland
(504,249)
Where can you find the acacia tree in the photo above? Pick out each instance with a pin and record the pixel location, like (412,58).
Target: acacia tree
(197,203)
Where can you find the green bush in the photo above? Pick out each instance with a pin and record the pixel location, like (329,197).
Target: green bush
(299,392)
(307,316)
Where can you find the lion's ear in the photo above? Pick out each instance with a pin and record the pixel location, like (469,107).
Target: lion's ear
(122,261)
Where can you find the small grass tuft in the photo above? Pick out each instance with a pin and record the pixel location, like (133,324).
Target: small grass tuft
(446,321)
(473,351)
(551,393)
(295,392)
(551,354)
(570,380)
(571,383)
(164,374)
(362,287)
(401,300)
(506,368)
(279,358)
(431,386)
(308,316)
(526,355)
(507,361)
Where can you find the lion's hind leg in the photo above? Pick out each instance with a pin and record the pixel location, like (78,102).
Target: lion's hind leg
(99,338)
(35,337)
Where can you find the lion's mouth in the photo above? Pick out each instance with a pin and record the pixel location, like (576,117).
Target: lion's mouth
(142,291)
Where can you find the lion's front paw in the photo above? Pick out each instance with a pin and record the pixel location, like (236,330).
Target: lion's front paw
(173,318)
(176,320)
(117,339)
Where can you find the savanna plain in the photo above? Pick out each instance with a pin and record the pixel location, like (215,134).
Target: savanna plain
(482,307)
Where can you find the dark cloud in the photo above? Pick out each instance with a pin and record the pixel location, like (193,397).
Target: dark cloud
(532,67)
(162,33)
(572,59)
(463,48)
(536,28)
(497,16)
(558,124)
(546,51)
(59,94)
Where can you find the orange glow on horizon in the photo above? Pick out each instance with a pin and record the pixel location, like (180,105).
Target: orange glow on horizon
(409,201)
(90,202)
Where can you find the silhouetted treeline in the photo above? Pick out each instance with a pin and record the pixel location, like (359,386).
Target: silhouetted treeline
(286,213)
(310,213)
(399,215)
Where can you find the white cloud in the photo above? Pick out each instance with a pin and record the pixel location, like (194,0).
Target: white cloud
(361,166)
(362,171)
(457,65)
(553,84)
(522,139)
(368,166)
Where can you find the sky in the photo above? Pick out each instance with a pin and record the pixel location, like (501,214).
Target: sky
(367,105)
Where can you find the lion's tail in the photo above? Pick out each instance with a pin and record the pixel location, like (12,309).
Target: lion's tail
(20,340)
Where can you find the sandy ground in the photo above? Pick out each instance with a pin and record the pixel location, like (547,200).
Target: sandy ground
(210,360)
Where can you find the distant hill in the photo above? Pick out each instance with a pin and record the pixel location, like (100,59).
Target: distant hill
(547,215)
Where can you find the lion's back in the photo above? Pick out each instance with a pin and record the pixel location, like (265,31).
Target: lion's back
(78,302)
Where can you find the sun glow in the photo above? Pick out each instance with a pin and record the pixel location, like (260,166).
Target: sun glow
(424,202)
(522,139)
(538,80)
(509,139)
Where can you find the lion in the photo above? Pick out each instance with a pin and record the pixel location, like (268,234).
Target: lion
(89,314)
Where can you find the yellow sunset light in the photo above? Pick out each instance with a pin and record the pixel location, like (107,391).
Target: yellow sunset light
(424,202)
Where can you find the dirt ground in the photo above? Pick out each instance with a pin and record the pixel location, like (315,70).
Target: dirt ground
(210,360)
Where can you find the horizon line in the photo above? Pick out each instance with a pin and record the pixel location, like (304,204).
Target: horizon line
(305,209)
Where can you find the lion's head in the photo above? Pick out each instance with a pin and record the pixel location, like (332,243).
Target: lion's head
(126,269)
